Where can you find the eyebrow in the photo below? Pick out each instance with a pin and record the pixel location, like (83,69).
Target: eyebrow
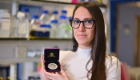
(84,18)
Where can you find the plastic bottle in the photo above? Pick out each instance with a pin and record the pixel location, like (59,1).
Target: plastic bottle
(62,27)
(54,28)
(64,12)
(44,30)
(26,12)
(34,22)
(4,23)
(54,15)
(69,29)
(34,25)
(23,26)
(13,28)
(45,18)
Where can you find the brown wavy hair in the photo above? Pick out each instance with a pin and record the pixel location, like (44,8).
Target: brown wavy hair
(98,51)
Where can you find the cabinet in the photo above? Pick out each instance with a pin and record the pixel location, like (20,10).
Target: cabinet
(8,45)
(36,6)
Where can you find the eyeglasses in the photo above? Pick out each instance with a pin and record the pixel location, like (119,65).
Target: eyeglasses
(86,23)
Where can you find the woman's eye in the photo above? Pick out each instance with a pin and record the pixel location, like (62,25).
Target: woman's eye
(88,21)
(76,21)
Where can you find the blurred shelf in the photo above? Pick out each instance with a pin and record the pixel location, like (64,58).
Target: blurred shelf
(46,38)
(50,1)
(57,2)
(36,38)
(13,38)
(18,60)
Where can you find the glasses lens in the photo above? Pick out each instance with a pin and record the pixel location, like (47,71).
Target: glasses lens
(88,23)
(75,23)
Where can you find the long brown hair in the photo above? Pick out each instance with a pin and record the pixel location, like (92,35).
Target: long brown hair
(98,51)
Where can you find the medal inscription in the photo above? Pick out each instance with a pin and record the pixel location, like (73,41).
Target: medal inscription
(52,66)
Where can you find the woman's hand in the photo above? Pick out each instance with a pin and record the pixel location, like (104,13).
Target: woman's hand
(52,75)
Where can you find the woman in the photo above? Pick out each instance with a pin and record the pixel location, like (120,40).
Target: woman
(88,59)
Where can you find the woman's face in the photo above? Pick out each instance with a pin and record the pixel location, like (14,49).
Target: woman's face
(82,35)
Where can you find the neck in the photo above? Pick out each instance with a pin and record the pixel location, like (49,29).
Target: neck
(86,52)
(85,46)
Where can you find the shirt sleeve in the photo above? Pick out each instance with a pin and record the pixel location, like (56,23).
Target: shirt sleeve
(113,68)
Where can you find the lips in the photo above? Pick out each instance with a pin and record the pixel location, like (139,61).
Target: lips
(81,36)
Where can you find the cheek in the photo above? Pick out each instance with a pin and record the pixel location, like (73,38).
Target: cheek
(91,34)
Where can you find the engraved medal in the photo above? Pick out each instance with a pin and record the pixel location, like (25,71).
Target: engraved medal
(52,66)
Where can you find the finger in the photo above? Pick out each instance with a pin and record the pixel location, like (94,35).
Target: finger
(58,73)
(42,58)
(64,74)
(44,71)
(62,71)
(49,73)
(50,78)
(61,64)
(42,61)
(45,77)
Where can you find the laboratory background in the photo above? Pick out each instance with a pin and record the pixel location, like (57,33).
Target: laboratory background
(27,27)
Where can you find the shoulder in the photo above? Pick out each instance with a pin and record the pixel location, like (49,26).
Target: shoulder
(113,68)
(64,55)
(111,60)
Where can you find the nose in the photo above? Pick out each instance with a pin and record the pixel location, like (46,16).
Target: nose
(81,27)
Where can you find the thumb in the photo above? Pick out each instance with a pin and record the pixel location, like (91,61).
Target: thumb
(62,71)
(42,61)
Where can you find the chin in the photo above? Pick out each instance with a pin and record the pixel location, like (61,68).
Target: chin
(82,42)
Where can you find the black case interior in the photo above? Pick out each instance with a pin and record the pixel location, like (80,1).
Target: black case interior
(51,56)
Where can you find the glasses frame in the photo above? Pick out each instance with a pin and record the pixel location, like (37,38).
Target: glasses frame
(80,23)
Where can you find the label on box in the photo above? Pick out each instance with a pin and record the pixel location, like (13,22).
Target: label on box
(5,23)
(22,28)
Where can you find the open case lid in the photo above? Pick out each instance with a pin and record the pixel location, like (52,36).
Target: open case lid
(51,54)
